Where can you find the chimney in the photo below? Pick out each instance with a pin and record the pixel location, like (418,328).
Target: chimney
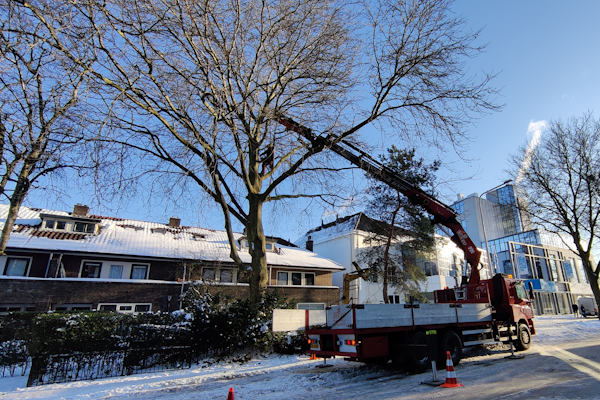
(309,244)
(80,210)
(174,222)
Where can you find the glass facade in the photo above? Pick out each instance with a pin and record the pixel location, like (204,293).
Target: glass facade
(519,250)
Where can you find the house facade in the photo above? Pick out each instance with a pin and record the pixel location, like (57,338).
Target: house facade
(345,238)
(59,260)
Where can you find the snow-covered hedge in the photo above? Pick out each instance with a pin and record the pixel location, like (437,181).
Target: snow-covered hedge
(212,325)
(223,327)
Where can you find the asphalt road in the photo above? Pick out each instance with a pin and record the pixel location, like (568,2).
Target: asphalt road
(564,371)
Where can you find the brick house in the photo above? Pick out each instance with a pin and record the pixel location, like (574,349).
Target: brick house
(58,260)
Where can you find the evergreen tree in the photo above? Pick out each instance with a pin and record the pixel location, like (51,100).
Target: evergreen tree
(408,232)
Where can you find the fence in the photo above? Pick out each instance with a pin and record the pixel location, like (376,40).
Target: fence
(59,368)
(15,369)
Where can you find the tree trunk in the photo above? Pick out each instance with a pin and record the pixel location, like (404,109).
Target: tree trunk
(16,200)
(386,255)
(592,278)
(256,239)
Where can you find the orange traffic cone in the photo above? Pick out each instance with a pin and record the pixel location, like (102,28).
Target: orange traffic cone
(451,381)
(230,395)
(313,356)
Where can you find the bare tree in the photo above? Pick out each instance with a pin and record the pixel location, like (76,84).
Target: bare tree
(200,84)
(38,96)
(559,181)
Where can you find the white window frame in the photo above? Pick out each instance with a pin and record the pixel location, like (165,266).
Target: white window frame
(119,305)
(8,257)
(105,267)
(94,226)
(83,262)
(218,270)
(68,226)
(289,278)
(140,265)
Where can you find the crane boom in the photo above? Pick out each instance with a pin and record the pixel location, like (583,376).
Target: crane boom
(442,214)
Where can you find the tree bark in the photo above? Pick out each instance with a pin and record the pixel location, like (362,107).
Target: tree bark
(256,238)
(16,200)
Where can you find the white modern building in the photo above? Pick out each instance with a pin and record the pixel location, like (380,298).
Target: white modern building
(343,239)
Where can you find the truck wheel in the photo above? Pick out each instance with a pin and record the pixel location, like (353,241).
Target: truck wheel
(450,342)
(418,354)
(523,341)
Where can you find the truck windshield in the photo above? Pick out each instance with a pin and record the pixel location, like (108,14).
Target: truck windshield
(521,292)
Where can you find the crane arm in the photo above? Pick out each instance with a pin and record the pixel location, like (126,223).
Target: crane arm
(442,214)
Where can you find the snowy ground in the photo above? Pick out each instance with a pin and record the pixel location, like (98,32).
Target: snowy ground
(564,362)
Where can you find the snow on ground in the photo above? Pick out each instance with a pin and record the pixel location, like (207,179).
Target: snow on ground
(297,377)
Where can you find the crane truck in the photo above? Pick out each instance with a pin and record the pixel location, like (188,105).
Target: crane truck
(474,313)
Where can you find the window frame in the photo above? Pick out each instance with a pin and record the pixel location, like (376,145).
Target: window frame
(290,281)
(147,275)
(118,307)
(85,225)
(84,262)
(27,266)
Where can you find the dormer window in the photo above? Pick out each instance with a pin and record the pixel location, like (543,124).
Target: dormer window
(84,227)
(64,223)
(55,224)
(245,244)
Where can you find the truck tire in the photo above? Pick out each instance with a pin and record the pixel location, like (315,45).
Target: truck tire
(418,353)
(450,342)
(523,341)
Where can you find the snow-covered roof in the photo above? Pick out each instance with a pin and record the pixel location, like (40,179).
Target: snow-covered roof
(146,239)
(343,226)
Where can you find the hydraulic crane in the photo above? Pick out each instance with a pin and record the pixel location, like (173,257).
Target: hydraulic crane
(442,214)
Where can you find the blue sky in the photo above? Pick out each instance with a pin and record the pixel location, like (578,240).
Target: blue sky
(546,55)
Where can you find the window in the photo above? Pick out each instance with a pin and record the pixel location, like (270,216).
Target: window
(282,278)
(309,279)
(269,246)
(208,274)
(226,275)
(296,278)
(125,308)
(50,224)
(91,270)
(139,271)
(60,225)
(84,227)
(395,299)
(116,272)
(142,308)
(16,266)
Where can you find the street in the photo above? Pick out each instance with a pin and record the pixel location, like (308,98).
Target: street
(563,363)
